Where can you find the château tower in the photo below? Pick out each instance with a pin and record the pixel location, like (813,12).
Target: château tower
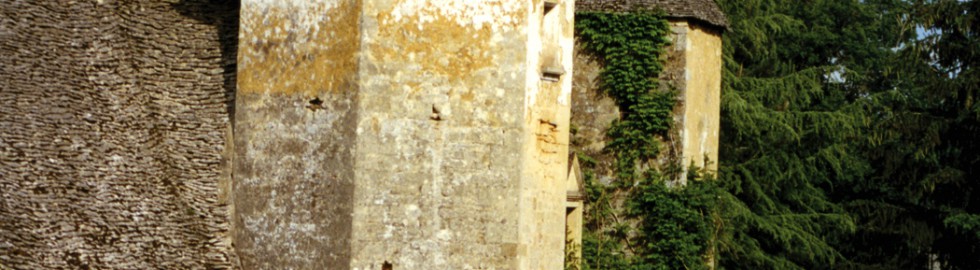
(401,134)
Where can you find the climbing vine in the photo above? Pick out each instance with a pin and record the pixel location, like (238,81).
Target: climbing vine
(637,221)
(630,46)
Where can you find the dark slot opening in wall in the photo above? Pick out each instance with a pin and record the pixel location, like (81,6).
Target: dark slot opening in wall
(549,5)
(386,266)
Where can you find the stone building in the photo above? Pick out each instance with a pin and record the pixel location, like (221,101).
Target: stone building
(692,68)
(382,134)
(299,134)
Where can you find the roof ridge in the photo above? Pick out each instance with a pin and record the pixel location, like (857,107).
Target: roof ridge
(703,10)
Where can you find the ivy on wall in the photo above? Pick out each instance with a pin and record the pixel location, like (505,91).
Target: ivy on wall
(637,221)
(630,46)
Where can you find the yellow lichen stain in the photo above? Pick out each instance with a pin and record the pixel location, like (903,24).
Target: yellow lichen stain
(441,46)
(277,56)
(460,57)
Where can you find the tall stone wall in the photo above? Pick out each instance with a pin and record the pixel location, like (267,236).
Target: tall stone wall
(295,123)
(434,142)
(113,124)
(438,148)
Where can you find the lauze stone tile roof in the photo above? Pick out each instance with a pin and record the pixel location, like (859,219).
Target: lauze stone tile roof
(113,121)
(703,10)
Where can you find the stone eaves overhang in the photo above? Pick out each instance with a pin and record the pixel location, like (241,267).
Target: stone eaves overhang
(704,11)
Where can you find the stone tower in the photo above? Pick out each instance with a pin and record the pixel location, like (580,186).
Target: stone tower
(402,134)
(692,68)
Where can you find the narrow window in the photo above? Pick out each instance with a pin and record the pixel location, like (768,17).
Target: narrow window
(551,67)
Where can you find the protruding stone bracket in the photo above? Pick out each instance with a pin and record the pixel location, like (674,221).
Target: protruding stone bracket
(552,74)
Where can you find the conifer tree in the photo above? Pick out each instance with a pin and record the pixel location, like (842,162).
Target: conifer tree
(850,140)
(917,208)
(797,76)
(895,85)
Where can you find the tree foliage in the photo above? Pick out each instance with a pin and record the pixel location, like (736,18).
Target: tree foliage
(849,141)
(917,208)
(796,74)
(865,107)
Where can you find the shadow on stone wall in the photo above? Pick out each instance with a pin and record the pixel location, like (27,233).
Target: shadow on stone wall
(223,14)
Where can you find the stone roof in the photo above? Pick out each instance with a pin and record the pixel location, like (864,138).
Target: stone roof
(703,10)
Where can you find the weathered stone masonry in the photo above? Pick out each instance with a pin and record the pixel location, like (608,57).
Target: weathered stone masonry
(304,134)
(416,134)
